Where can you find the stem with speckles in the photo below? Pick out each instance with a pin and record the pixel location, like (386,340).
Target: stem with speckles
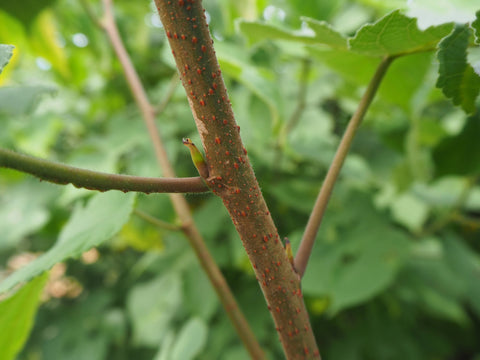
(179,203)
(231,176)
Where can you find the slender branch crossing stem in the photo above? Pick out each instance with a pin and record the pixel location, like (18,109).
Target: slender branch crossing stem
(157,222)
(306,245)
(231,176)
(93,180)
(179,203)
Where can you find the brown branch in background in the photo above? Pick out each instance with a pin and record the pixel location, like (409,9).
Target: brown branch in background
(231,175)
(179,203)
(311,230)
(93,180)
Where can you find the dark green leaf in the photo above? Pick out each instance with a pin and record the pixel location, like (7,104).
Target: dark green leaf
(457,154)
(27,11)
(457,78)
(151,307)
(476,27)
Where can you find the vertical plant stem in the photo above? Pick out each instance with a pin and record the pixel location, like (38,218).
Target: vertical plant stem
(179,203)
(308,239)
(231,175)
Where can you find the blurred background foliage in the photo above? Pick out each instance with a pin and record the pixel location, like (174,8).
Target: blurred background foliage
(395,273)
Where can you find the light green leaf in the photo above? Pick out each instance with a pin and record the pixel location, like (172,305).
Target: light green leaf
(256,31)
(20,100)
(191,340)
(323,33)
(200,297)
(446,192)
(395,34)
(151,307)
(457,78)
(6,52)
(410,211)
(354,67)
(17,314)
(23,210)
(436,12)
(89,226)
(476,27)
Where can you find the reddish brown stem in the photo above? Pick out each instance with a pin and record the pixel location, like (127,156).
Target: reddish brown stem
(231,175)
(179,203)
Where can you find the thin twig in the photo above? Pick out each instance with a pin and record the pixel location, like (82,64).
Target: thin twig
(93,180)
(179,203)
(294,118)
(172,85)
(157,222)
(311,230)
(301,97)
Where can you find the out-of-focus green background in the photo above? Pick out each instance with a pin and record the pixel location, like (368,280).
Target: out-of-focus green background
(395,273)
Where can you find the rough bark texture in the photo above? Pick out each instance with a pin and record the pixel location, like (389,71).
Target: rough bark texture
(231,176)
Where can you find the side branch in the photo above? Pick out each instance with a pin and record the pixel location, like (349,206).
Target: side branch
(93,180)
(306,245)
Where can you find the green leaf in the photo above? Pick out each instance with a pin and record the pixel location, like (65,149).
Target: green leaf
(200,297)
(17,314)
(24,210)
(410,211)
(457,78)
(409,71)
(476,27)
(27,11)
(81,328)
(323,34)
(395,34)
(466,263)
(151,307)
(6,52)
(358,255)
(191,340)
(458,154)
(89,226)
(256,31)
(21,100)
(354,67)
